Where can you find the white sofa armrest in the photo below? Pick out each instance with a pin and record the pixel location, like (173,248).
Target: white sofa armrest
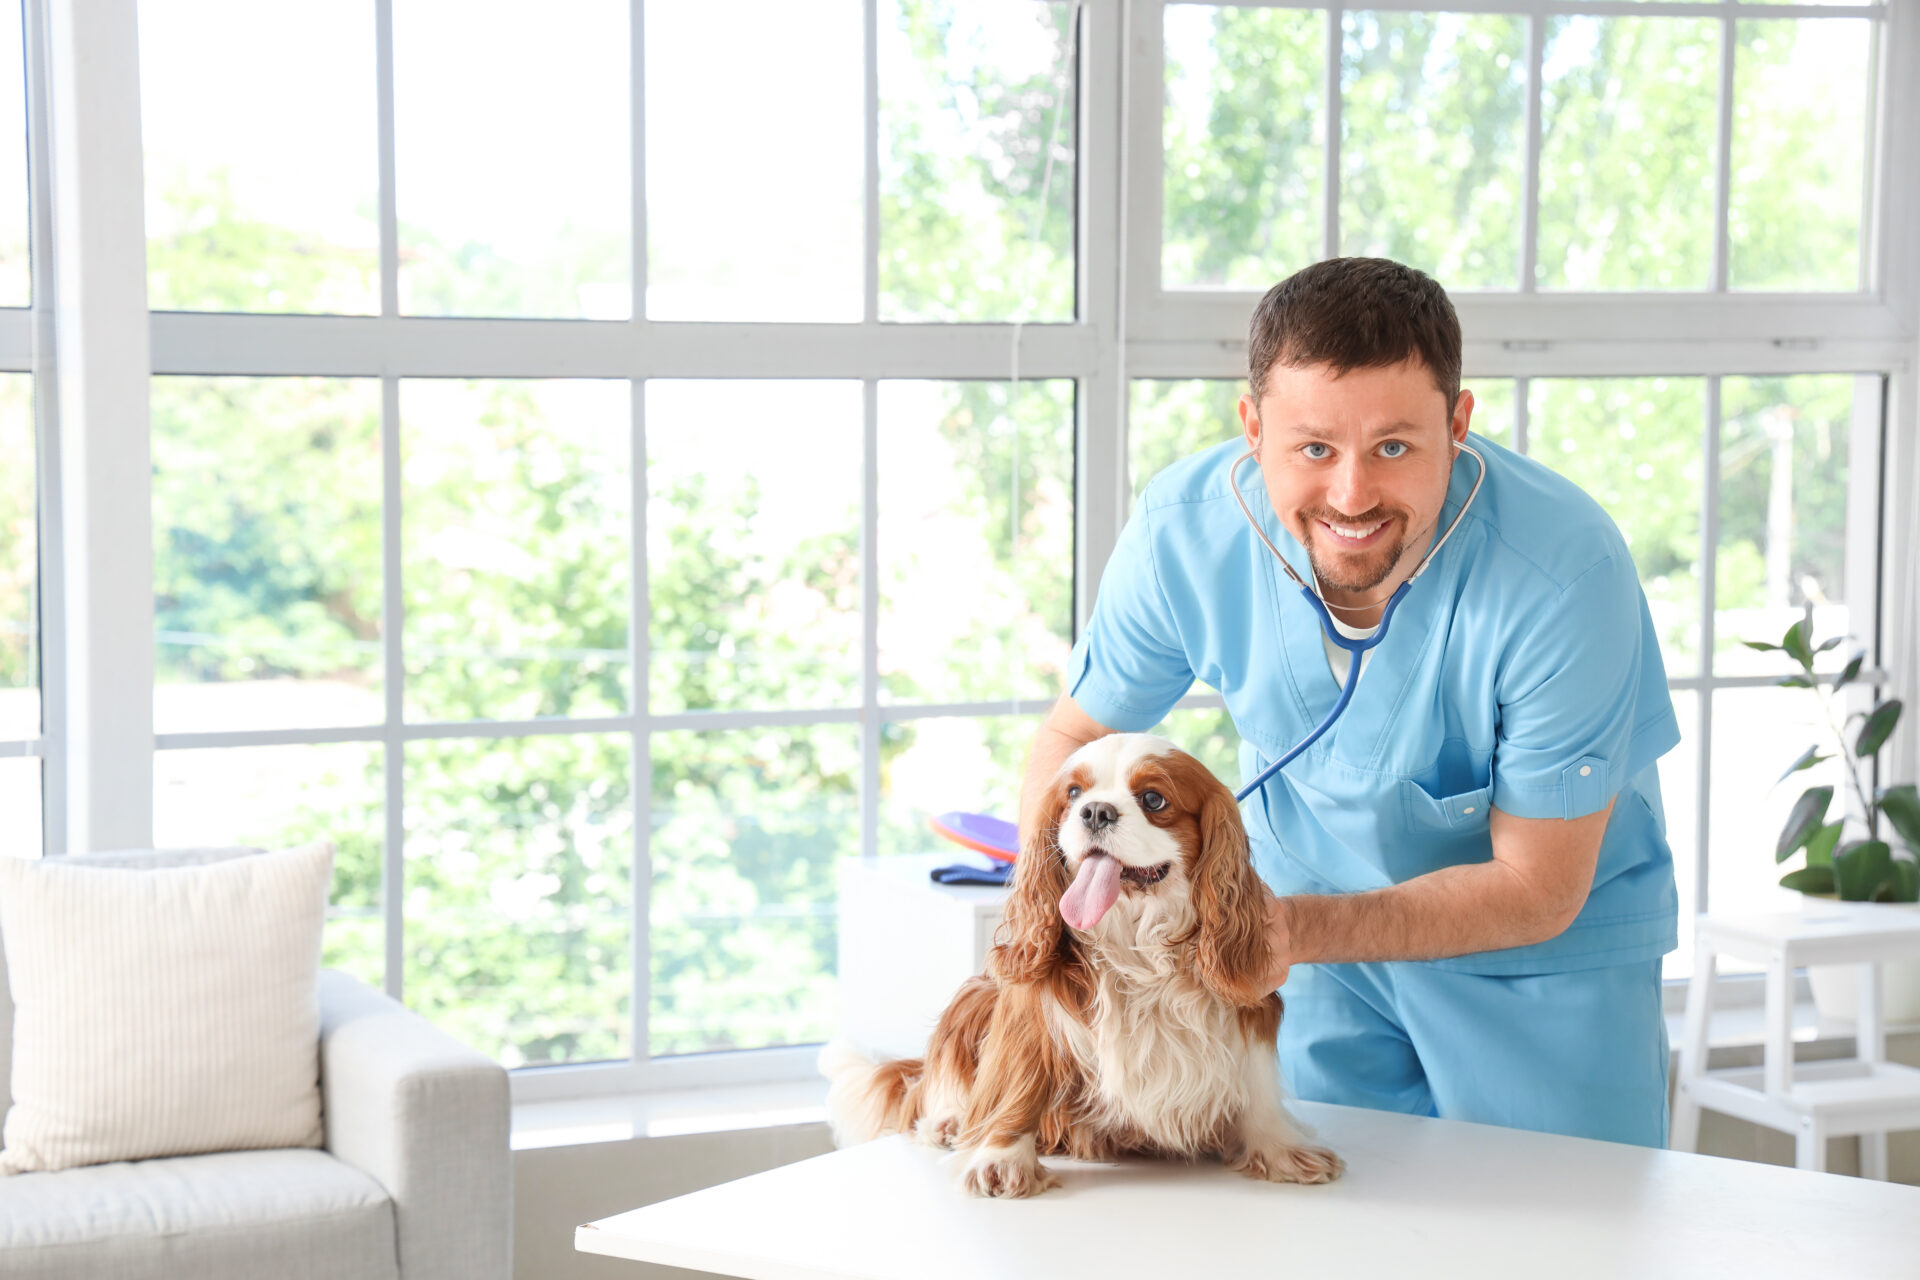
(428,1118)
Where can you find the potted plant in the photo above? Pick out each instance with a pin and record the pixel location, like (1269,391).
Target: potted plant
(1881,862)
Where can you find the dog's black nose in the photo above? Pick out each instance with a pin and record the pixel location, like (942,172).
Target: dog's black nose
(1098,815)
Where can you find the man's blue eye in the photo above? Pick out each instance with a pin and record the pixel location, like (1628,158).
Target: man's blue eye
(1309,451)
(1394,448)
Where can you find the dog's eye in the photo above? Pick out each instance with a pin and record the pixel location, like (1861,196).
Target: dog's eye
(1072,792)
(1152,801)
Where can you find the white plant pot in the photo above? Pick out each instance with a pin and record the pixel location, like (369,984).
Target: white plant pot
(1836,987)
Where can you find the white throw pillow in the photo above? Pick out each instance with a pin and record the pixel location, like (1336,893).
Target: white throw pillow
(163,1012)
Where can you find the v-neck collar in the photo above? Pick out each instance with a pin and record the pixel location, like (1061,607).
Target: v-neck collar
(1359,737)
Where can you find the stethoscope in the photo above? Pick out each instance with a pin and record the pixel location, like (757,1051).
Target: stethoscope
(1356,647)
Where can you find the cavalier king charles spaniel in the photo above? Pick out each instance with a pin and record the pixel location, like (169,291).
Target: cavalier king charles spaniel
(1124,1009)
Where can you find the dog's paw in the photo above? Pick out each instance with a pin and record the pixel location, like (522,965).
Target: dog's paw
(937,1131)
(1009,1172)
(1291,1164)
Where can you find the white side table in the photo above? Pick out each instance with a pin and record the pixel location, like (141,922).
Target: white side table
(906,945)
(1864,1095)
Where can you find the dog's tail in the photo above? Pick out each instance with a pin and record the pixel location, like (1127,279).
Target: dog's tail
(867,1099)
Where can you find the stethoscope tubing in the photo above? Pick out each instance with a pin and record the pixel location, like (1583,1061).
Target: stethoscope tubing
(1356,647)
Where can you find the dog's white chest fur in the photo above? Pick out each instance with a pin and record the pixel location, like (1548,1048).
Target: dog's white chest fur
(1167,1058)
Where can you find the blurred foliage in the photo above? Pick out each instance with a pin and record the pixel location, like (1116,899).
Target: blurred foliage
(977,172)
(1433,148)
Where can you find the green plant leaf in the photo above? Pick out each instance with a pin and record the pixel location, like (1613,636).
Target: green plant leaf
(1879,724)
(1797,643)
(1762,645)
(1820,844)
(1808,812)
(1808,758)
(1829,643)
(1795,682)
(1852,669)
(1860,867)
(1809,880)
(1906,880)
(1901,805)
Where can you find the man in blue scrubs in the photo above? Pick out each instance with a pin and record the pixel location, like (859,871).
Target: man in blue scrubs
(1472,878)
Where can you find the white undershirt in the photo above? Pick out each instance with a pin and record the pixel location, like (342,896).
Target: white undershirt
(1341,660)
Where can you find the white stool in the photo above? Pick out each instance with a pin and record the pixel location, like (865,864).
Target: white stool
(1864,1095)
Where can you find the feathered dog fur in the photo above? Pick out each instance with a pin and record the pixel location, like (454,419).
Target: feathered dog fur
(1149,1031)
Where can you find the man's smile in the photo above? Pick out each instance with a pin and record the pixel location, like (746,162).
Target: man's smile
(1356,536)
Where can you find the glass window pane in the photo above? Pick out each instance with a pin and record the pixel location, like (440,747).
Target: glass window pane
(976,160)
(1680,798)
(756,205)
(1783,518)
(1208,735)
(975,540)
(1800,92)
(753,544)
(278,797)
(517,500)
(1433,140)
(519,892)
(262,164)
(16,281)
(748,829)
(1168,421)
(1492,410)
(19,562)
(513,165)
(1245,140)
(939,764)
(20,835)
(266,582)
(1757,733)
(1628,120)
(1634,444)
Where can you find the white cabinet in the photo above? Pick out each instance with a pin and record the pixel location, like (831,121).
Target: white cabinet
(906,945)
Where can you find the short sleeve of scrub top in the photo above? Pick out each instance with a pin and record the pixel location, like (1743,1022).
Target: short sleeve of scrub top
(1130,667)
(1575,722)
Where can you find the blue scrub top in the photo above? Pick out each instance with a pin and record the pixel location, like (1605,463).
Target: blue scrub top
(1522,670)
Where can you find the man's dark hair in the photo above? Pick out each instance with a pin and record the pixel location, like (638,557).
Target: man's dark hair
(1355,313)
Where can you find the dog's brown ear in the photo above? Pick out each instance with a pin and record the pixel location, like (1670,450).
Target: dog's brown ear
(1032,935)
(1230,905)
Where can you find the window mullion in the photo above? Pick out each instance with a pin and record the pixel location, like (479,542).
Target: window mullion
(870,617)
(1530,205)
(389,198)
(640,702)
(51,596)
(870,20)
(1330,214)
(1723,158)
(393,861)
(1709,565)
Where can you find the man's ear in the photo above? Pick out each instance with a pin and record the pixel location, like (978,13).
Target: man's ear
(1462,416)
(1250,422)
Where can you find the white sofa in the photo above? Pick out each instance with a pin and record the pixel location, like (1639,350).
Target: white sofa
(414,1181)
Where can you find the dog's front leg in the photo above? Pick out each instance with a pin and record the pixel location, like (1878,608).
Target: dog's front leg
(1020,1075)
(1269,1144)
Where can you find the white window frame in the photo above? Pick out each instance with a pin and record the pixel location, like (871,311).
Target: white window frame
(98,602)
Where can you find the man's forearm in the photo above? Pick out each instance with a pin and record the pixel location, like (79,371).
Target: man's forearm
(1455,911)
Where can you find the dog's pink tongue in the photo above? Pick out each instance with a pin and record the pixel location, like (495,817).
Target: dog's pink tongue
(1095,888)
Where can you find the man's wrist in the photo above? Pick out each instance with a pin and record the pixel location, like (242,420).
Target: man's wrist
(1301,944)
